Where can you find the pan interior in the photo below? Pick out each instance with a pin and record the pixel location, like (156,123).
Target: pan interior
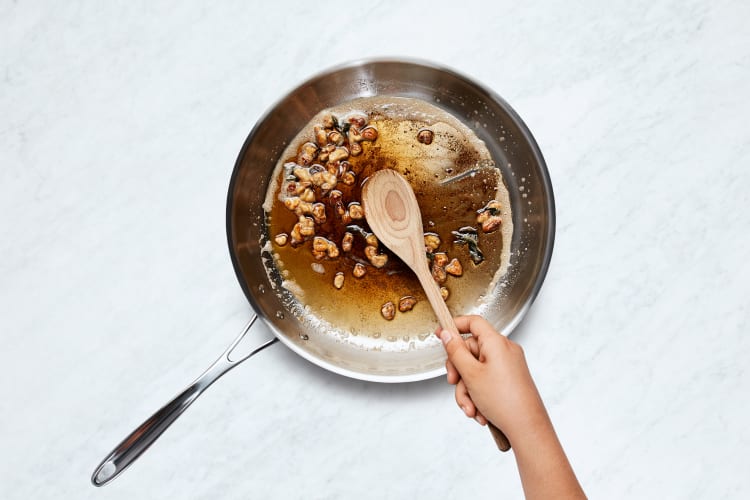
(387,357)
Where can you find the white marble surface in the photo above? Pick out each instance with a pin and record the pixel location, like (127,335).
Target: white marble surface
(119,127)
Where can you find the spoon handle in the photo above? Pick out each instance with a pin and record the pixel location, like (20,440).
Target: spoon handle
(446,321)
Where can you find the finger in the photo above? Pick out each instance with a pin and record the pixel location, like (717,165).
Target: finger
(453,375)
(481,419)
(464,400)
(473,346)
(458,353)
(480,329)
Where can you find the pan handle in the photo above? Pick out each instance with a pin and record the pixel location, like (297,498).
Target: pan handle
(149,431)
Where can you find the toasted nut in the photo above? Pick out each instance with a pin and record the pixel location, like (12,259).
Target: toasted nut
(357,120)
(303,208)
(346,219)
(356,211)
(319,213)
(359,270)
(307,195)
(281,239)
(317,168)
(291,203)
(340,153)
(425,136)
(320,135)
(318,255)
(320,244)
(318,267)
(348,178)
(491,224)
(303,174)
(370,251)
(353,135)
(329,181)
(296,236)
(406,303)
(371,240)
(454,268)
(438,274)
(332,251)
(440,259)
(317,178)
(346,242)
(307,153)
(335,197)
(482,217)
(306,226)
(369,134)
(444,292)
(356,149)
(338,280)
(379,260)
(336,138)
(388,310)
(328,121)
(431,241)
(323,156)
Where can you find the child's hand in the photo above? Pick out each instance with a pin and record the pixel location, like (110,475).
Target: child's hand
(491,377)
(493,383)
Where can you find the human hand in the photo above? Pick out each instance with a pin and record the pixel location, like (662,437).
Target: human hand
(491,377)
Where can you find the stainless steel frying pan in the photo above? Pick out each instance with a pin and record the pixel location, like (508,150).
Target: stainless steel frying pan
(512,147)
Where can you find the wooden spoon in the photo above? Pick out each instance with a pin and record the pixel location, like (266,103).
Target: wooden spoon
(392,211)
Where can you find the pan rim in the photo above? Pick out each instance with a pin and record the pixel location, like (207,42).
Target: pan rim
(527,136)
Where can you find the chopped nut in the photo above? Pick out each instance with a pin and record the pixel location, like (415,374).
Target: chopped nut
(338,154)
(379,260)
(303,174)
(491,224)
(376,259)
(323,155)
(425,136)
(371,240)
(296,236)
(444,292)
(338,280)
(348,178)
(454,268)
(431,241)
(320,244)
(336,138)
(357,120)
(388,310)
(356,211)
(318,267)
(406,303)
(356,149)
(303,208)
(308,195)
(307,153)
(291,203)
(317,168)
(353,135)
(489,216)
(440,259)
(317,178)
(328,121)
(306,226)
(329,181)
(438,274)
(369,134)
(332,251)
(359,270)
(281,239)
(346,242)
(319,213)
(320,135)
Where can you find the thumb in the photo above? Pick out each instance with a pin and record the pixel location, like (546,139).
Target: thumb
(458,352)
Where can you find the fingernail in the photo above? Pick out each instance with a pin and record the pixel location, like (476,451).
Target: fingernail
(479,420)
(445,336)
(466,410)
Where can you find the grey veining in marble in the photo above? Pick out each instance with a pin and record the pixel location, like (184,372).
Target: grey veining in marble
(119,127)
